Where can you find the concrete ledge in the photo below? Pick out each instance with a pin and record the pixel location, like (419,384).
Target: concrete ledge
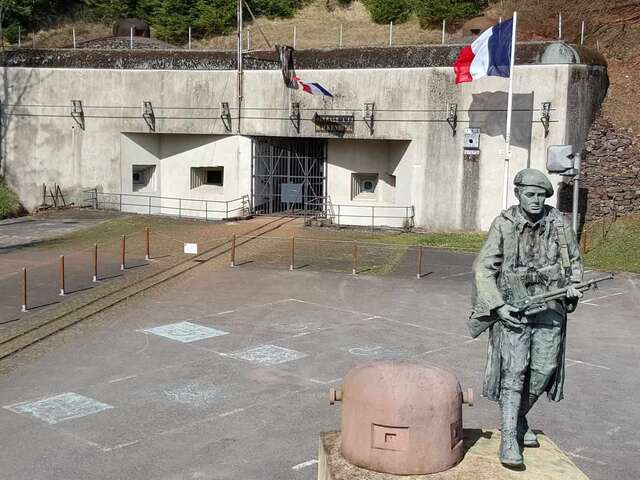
(479,463)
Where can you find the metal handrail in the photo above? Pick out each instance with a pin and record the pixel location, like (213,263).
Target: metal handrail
(116,200)
(327,208)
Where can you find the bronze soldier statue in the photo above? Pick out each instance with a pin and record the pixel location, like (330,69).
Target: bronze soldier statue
(530,251)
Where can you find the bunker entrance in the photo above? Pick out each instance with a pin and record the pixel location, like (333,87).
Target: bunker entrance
(289,175)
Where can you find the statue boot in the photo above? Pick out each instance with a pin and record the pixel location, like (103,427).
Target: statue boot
(510,454)
(526,436)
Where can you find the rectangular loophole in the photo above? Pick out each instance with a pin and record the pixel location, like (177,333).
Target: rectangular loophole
(387,437)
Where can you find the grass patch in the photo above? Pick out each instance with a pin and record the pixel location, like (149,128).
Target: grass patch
(462,241)
(9,204)
(616,246)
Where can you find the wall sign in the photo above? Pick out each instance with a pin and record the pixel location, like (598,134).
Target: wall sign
(333,123)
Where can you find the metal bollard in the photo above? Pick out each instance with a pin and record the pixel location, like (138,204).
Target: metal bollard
(147,245)
(62,275)
(354,270)
(24,290)
(292,261)
(233,250)
(122,252)
(419,271)
(95,262)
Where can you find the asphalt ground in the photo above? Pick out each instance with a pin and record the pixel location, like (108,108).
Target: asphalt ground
(110,398)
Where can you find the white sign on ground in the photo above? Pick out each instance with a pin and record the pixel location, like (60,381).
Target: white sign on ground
(185,331)
(191,248)
(267,355)
(60,408)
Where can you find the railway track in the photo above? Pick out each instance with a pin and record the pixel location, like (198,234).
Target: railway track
(30,336)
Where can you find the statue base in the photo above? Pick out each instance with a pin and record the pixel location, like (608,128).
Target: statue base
(480,462)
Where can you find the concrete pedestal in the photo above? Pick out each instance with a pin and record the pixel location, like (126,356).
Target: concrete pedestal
(480,462)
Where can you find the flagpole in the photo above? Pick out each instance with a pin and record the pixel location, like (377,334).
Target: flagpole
(507,137)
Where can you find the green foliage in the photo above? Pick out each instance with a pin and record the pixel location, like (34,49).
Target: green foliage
(431,12)
(171,19)
(214,17)
(385,11)
(9,204)
(108,11)
(275,8)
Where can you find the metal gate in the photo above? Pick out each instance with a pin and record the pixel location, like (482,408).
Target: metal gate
(284,165)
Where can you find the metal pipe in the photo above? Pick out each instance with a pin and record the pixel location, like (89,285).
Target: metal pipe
(122,252)
(189,37)
(239,61)
(390,33)
(577,165)
(444,24)
(233,250)
(131,38)
(95,262)
(24,289)
(62,275)
(354,270)
(74,37)
(340,35)
(295,34)
(293,247)
(582,33)
(147,245)
(419,274)
(559,25)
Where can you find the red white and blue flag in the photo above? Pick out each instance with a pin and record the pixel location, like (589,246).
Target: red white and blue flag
(313,88)
(489,54)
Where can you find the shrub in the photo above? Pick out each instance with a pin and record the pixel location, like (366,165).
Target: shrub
(430,12)
(9,204)
(385,11)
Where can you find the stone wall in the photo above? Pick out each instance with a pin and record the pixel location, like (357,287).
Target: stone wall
(611,171)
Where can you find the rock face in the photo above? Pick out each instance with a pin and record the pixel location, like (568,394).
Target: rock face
(610,181)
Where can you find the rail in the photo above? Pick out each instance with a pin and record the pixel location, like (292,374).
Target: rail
(171,206)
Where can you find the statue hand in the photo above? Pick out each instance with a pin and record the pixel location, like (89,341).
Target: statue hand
(573,293)
(505,313)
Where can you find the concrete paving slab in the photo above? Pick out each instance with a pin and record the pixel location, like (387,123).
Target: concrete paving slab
(185,332)
(60,408)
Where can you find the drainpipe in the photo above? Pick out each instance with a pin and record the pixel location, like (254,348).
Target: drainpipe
(239,60)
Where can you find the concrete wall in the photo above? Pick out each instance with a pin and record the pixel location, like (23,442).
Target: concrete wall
(173,156)
(44,144)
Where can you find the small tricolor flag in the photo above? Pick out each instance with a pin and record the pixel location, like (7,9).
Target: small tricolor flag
(313,88)
(489,54)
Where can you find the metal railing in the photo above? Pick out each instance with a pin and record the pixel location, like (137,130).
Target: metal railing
(361,215)
(172,206)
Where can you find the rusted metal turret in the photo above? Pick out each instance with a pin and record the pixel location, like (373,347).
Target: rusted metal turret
(402,417)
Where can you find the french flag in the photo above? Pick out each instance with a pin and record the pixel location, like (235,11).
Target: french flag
(313,88)
(489,54)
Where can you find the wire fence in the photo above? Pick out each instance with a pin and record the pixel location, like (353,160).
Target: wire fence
(331,33)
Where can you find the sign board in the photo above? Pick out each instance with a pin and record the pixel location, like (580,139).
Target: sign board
(191,248)
(333,123)
(291,192)
(471,141)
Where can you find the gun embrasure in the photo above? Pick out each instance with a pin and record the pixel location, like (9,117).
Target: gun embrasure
(538,303)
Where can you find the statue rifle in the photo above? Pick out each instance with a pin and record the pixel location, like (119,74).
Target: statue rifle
(538,303)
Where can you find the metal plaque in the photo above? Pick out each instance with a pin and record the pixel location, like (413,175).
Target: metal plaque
(291,192)
(333,123)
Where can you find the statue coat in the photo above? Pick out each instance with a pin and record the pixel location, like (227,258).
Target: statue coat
(499,255)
